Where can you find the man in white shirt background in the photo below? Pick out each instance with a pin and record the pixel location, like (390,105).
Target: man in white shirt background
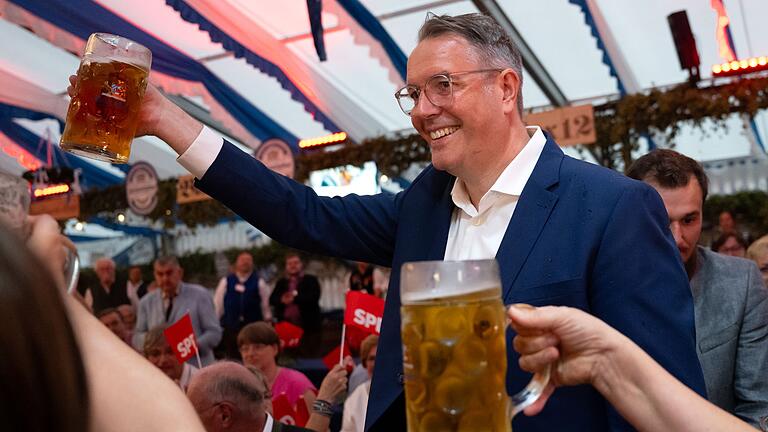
(136,287)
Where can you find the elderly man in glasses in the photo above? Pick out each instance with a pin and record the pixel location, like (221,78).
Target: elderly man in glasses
(563,231)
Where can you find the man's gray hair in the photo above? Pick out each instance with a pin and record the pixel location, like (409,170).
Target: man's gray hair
(494,47)
(245,396)
(167,260)
(104,261)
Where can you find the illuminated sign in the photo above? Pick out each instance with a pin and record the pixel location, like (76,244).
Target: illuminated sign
(335,138)
(51,190)
(739,67)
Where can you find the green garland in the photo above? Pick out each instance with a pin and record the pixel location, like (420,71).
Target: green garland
(112,200)
(619,125)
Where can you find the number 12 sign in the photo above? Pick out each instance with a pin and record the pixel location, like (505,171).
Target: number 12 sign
(569,125)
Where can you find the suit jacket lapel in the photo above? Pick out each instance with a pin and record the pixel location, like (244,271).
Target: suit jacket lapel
(530,216)
(441,218)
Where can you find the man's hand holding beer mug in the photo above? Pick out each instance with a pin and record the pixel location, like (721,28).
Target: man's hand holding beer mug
(112,103)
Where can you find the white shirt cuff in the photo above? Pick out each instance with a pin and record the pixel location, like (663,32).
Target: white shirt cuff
(201,153)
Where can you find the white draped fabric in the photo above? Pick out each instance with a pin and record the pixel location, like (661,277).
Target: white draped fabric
(317,85)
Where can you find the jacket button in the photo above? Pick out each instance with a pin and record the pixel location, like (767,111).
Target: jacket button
(400,378)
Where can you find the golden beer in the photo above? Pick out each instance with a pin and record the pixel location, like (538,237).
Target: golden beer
(103,114)
(455,362)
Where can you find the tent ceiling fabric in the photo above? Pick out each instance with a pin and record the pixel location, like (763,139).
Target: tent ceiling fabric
(354,87)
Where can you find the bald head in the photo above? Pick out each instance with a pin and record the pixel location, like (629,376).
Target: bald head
(228,397)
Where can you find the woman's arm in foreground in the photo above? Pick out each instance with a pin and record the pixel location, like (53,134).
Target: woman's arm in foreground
(586,350)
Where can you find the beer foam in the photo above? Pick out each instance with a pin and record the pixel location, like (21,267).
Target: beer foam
(426,280)
(115,58)
(444,292)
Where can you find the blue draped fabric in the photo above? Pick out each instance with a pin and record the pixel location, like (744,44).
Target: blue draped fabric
(87,239)
(590,21)
(128,229)
(315,9)
(83,17)
(189,14)
(369,22)
(12,111)
(92,176)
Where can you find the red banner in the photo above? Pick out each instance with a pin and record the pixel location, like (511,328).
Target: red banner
(282,410)
(364,311)
(289,334)
(332,358)
(181,338)
(302,413)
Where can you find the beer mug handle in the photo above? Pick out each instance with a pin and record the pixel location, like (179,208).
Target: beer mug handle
(527,396)
(71,270)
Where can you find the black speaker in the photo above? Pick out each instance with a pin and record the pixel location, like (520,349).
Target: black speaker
(685,44)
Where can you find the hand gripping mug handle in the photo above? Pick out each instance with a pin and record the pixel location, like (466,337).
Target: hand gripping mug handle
(71,270)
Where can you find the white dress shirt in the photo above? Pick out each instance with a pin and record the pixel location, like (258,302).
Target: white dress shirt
(476,233)
(269,423)
(264,292)
(132,290)
(355,408)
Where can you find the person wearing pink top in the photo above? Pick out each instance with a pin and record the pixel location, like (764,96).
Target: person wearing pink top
(259,346)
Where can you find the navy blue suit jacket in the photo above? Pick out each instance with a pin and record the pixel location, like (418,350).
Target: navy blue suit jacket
(581,236)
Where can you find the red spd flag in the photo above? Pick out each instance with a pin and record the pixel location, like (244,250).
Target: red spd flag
(364,311)
(289,334)
(302,413)
(332,358)
(282,410)
(181,338)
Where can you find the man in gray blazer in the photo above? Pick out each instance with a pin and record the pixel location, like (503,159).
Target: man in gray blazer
(172,301)
(730,299)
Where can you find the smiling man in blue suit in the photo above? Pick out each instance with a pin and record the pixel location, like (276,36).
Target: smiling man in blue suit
(564,232)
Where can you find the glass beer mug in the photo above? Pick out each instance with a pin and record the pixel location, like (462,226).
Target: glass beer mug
(454,348)
(15,200)
(104,112)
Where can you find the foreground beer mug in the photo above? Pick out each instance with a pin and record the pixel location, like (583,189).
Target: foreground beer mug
(104,112)
(15,200)
(454,348)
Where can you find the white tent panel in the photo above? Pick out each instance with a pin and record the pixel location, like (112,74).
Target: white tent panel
(358,75)
(557,34)
(711,144)
(404,28)
(265,93)
(26,55)
(289,20)
(162,21)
